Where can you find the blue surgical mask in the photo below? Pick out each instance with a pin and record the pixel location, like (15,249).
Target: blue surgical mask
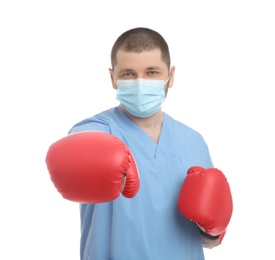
(141,97)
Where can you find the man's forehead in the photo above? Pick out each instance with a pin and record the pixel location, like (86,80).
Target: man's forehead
(146,59)
(154,52)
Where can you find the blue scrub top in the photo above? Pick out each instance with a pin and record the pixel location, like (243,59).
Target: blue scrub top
(148,226)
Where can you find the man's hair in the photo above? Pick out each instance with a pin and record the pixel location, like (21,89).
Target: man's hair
(138,40)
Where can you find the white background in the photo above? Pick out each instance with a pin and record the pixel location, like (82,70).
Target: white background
(54,60)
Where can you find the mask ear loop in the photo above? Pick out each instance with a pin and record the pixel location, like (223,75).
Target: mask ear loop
(165,82)
(116,83)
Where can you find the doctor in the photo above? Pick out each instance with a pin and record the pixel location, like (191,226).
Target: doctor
(153,221)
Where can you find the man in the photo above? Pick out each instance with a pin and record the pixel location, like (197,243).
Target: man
(150,225)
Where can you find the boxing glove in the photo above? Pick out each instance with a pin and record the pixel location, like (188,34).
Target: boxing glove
(205,198)
(91,167)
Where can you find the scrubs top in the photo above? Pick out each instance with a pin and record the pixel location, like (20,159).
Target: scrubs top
(148,226)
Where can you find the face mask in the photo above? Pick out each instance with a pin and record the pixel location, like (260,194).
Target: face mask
(141,97)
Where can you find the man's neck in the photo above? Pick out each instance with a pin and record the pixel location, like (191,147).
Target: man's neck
(150,125)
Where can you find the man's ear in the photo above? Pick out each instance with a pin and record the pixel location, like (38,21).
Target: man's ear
(171,77)
(112,78)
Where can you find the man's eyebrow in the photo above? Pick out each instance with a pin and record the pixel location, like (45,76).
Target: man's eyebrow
(125,70)
(153,68)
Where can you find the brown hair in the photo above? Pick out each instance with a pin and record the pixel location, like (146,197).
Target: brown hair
(138,40)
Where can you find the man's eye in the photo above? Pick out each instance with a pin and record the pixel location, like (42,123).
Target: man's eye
(127,75)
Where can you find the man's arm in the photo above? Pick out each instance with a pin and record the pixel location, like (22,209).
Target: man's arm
(209,241)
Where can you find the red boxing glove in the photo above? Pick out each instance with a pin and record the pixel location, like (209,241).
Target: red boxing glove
(89,167)
(205,198)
